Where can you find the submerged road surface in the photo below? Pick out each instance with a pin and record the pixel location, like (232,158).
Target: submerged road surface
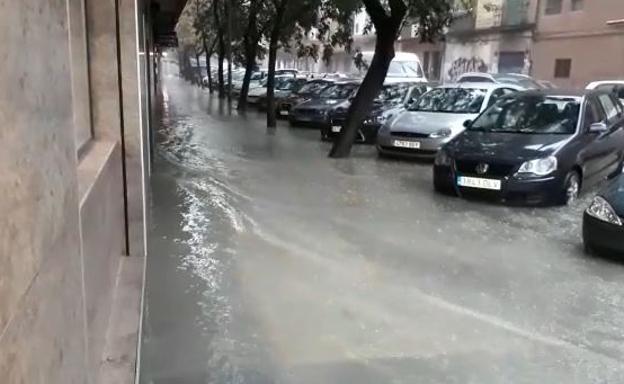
(270,263)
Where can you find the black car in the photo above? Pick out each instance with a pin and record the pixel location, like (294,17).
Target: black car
(392,99)
(310,90)
(535,147)
(315,112)
(603,221)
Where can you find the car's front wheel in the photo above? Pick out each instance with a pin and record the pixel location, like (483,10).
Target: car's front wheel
(572,188)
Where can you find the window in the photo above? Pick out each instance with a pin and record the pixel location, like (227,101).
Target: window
(498,93)
(553,7)
(591,115)
(577,5)
(563,68)
(609,107)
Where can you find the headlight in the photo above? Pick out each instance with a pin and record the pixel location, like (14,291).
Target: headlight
(602,210)
(445,132)
(443,159)
(539,167)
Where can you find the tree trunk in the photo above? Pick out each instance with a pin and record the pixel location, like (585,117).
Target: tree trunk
(197,77)
(387,28)
(209,51)
(228,14)
(220,68)
(275,32)
(251,51)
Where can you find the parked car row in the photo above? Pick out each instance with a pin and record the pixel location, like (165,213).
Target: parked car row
(503,141)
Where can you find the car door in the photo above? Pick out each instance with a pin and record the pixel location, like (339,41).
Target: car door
(593,145)
(610,140)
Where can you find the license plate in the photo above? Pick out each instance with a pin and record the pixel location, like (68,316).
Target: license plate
(336,128)
(284,112)
(476,182)
(406,144)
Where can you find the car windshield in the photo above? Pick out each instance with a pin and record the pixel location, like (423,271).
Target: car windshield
(313,88)
(451,100)
(392,93)
(284,84)
(339,91)
(522,81)
(534,114)
(404,69)
(256,76)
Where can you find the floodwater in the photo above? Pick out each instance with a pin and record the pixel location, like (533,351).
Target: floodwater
(270,263)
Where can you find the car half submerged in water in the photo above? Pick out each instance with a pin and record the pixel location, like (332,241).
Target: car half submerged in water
(535,147)
(436,117)
(392,99)
(315,112)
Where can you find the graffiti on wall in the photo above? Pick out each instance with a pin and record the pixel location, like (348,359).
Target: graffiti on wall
(463,65)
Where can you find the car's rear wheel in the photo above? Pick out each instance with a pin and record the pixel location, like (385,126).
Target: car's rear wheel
(572,188)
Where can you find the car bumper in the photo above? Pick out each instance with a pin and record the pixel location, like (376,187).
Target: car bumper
(311,120)
(538,191)
(602,236)
(366,134)
(427,147)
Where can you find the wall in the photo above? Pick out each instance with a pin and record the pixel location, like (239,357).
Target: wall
(584,37)
(41,303)
(63,206)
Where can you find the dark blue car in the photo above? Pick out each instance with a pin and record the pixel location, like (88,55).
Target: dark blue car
(603,221)
(535,147)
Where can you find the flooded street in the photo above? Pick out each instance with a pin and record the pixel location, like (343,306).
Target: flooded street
(270,263)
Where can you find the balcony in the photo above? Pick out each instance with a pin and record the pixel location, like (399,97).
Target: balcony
(494,16)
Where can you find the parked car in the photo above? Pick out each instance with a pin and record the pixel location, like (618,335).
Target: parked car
(535,147)
(615,86)
(437,117)
(315,112)
(603,221)
(404,67)
(311,90)
(284,86)
(257,94)
(255,81)
(524,81)
(392,99)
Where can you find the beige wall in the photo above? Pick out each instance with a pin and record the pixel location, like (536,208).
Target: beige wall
(62,235)
(596,49)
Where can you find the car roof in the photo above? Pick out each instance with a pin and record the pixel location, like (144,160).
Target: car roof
(595,84)
(480,85)
(565,92)
(479,74)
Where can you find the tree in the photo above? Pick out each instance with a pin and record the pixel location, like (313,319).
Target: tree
(431,15)
(251,50)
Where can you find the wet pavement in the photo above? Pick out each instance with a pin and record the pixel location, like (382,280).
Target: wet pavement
(270,263)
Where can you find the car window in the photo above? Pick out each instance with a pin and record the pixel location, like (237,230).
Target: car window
(499,93)
(451,100)
(608,106)
(339,91)
(592,114)
(475,79)
(394,93)
(532,114)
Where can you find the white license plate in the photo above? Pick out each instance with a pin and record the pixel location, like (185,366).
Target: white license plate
(406,144)
(476,182)
(336,128)
(284,112)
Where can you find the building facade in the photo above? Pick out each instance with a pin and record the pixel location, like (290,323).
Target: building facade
(495,37)
(579,41)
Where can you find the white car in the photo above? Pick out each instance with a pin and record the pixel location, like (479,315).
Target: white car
(405,67)
(437,117)
(502,78)
(615,86)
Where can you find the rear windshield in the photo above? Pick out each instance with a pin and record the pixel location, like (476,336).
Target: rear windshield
(339,91)
(404,69)
(451,100)
(475,79)
(393,93)
(535,114)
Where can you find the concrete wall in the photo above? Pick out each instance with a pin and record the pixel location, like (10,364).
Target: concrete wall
(62,212)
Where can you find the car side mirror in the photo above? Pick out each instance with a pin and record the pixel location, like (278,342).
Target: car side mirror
(598,128)
(467,123)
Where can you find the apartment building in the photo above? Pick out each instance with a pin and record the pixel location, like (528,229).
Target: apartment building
(496,36)
(578,41)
